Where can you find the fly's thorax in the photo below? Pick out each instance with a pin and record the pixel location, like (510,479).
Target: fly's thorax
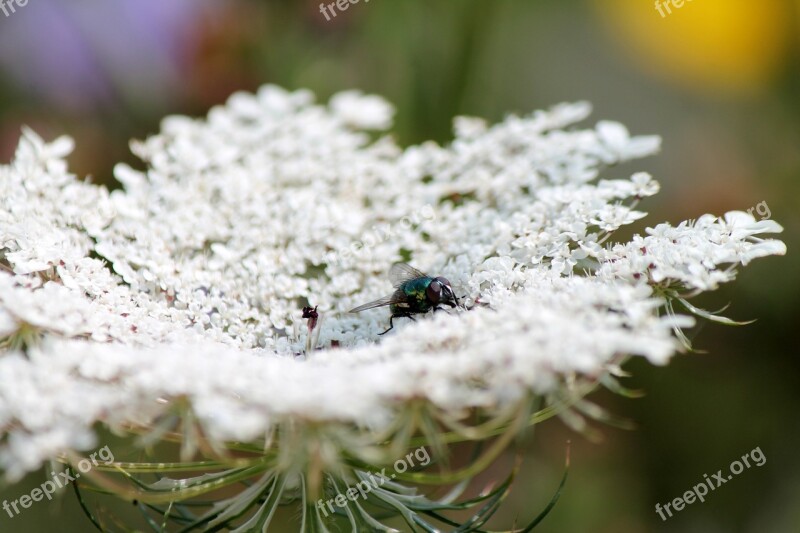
(416,297)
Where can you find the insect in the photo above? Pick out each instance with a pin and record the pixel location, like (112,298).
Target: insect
(415,293)
(311,314)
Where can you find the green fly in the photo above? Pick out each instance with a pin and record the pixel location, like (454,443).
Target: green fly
(415,293)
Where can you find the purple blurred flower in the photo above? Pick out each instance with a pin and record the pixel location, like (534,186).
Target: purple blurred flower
(82,54)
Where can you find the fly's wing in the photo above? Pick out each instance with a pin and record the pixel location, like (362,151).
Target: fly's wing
(402,272)
(397,297)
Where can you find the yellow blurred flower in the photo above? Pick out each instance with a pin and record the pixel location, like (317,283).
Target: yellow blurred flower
(716,46)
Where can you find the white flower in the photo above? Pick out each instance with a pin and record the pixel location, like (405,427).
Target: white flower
(361,111)
(188,284)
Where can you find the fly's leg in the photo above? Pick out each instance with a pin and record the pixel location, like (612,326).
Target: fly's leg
(391,324)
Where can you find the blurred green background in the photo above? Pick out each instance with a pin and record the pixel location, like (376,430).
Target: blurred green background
(718,79)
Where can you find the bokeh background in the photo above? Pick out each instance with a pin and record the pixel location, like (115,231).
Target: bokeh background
(718,79)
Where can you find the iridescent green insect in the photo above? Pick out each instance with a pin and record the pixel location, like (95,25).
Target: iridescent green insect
(415,293)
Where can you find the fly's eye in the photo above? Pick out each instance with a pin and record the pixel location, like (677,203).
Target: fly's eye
(443,281)
(434,291)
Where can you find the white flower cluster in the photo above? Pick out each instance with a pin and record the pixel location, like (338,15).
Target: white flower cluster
(189,281)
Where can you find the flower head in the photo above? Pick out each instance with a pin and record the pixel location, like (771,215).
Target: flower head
(190,289)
